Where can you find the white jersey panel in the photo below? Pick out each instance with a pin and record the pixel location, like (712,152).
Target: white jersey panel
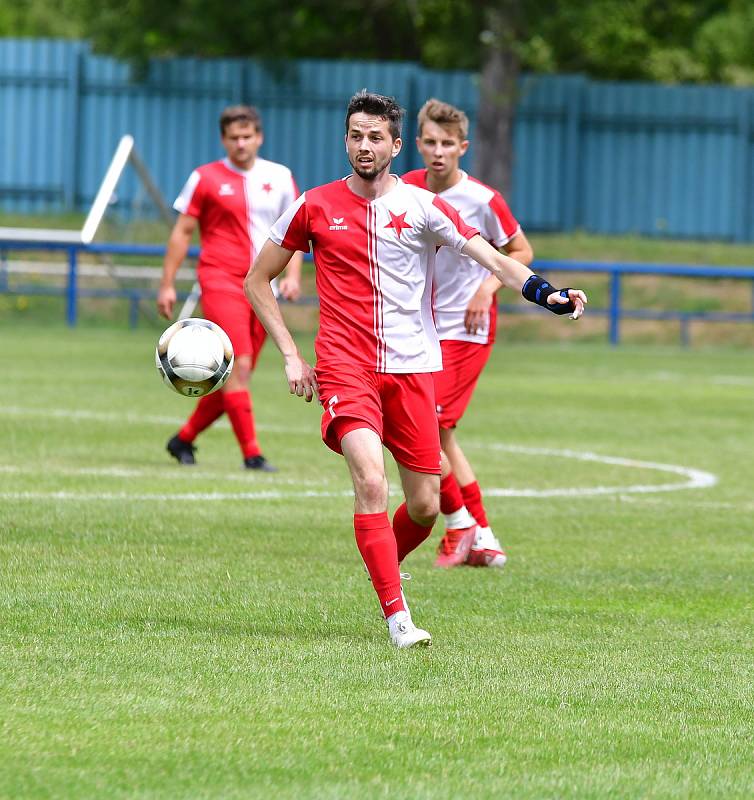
(408,226)
(458,277)
(183,200)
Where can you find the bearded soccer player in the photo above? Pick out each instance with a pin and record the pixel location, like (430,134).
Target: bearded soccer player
(374,239)
(465,307)
(233,203)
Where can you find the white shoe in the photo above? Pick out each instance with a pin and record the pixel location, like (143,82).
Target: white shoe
(486,550)
(403,632)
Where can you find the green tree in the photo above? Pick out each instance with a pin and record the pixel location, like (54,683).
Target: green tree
(23,18)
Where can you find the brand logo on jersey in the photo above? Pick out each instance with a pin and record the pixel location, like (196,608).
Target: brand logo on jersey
(225,190)
(398,223)
(267,187)
(338,224)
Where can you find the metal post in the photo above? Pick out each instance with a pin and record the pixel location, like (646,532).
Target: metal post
(72,296)
(133,311)
(3,270)
(615,308)
(685,338)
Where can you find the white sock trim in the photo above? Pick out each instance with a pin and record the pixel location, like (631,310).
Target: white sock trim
(459,519)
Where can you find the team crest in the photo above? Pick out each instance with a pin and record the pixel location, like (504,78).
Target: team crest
(398,223)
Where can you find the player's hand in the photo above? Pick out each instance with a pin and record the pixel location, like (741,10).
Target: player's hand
(478,311)
(166,298)
(576,296)
(290,288)
(302,380)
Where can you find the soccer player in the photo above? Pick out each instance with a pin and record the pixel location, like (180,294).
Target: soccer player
(233,202)
(374,239)
(465,307)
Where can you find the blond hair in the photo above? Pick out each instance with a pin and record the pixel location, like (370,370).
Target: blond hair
(444,114)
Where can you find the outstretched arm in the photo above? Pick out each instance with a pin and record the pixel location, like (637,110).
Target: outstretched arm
(515,275)
(270,262)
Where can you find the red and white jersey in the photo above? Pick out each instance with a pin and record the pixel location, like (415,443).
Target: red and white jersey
(374,268)
(457,277)
(235,209)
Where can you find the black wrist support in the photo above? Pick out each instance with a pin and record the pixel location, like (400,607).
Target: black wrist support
(537,290)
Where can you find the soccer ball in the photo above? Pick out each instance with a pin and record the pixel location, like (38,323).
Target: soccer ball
(194,357)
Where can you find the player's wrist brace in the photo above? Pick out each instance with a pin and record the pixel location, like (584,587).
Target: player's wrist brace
(537,290)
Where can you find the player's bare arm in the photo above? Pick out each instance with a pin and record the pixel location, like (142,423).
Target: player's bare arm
(519,248)
(478,309)
(290,283)
(270,262)
(516,276)
(175,254)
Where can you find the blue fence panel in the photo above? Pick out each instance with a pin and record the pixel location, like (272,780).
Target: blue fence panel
(34,124)
(607,157)
(546,143)
(660,160)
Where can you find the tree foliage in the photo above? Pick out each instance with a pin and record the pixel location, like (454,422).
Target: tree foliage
(682,41)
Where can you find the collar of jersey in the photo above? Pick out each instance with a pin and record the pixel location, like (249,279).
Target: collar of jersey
(464,177)
(376,199)
(233,168)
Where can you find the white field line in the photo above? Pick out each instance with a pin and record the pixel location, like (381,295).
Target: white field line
(176,474)
(694,479)
(137,419)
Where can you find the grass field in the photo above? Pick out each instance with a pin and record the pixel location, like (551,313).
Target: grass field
(175,632)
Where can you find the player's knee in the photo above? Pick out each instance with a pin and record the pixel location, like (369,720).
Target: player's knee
(424,509)
(371,490)
(241,373)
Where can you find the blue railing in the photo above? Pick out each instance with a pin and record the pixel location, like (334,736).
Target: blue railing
(615,311)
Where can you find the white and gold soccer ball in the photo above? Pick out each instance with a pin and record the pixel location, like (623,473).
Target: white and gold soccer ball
(194,357)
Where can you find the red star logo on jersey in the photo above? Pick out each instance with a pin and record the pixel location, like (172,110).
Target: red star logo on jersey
(398,223)
(267,187)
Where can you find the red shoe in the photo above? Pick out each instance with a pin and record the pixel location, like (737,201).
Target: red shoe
(486,551)
(455,546)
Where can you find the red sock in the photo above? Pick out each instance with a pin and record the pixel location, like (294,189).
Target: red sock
(376,542)
(472,499)
(207,410)
(408,534)
(450,495)
(238,408)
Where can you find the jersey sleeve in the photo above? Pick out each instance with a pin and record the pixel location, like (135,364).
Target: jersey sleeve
(189,201)
(500,224)
(291,230)
(447,226)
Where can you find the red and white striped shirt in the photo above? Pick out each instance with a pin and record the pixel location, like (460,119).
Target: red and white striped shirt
(457,277)
(235,209)
(374,267)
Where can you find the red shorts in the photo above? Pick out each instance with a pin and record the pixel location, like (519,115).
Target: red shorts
(233,313)
(399,408)
(462,364)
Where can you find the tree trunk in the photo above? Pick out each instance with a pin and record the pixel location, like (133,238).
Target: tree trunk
(497,98)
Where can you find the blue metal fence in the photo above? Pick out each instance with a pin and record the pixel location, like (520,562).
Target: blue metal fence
(615,311)
(605,157)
